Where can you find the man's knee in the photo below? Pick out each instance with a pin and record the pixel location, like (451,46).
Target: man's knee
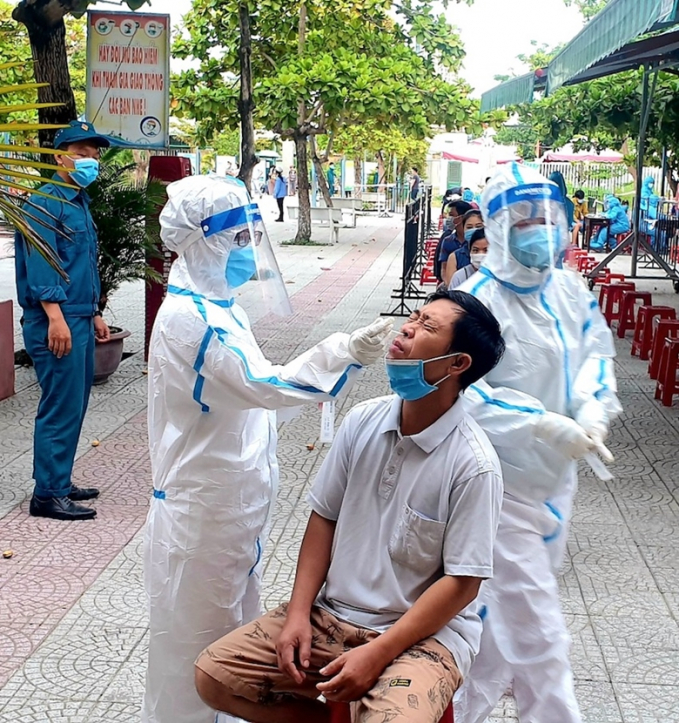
(211,691)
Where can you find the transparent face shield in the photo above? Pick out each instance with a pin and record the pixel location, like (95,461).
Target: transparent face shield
(251,263)
(531,221)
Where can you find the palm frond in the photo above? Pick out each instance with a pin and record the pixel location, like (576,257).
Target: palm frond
(26,163)
(15,108)
(21,87)
(8,148)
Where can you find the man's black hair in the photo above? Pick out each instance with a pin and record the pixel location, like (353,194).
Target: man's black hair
(473,212)
(414,168)
(461,207)
(476,332)
(477,236)
(580,194)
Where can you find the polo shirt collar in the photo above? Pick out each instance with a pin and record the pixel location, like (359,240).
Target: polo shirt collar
(68,193)
(434,435)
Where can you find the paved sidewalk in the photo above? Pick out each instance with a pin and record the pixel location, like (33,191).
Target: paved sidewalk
(73,622)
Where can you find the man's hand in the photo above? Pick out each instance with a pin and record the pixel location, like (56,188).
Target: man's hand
(101,330)
(295,639)
(59,337)
(354,674)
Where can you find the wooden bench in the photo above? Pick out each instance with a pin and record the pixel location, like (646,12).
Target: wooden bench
(348,206)
(330,217)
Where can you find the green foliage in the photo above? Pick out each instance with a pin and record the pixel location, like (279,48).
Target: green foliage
(128,229)
(523,136)
(588,8)
(354,141)
(357,63)
(80,7)
(15,48)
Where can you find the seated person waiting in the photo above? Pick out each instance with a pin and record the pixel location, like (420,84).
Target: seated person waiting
(404,513)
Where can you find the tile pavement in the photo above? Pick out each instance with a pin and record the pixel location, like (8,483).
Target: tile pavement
(72,606)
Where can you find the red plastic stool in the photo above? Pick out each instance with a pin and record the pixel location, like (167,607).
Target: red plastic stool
(627,314)
(662,329)
(589,265)
(610,299)
(339,713)
(668,384)
(582,260)
(643,331)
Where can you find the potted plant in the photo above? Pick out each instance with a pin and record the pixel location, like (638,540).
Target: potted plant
(125,212)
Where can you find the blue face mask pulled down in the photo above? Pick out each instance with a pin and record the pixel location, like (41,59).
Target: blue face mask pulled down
(534,247)
(406,377)
(240,266)
(85,171)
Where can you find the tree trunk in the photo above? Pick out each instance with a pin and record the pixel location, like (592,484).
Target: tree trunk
(320,174)
(304,222)
(246,105)
(44,22)
(358,177)
(300,136)
(381,171)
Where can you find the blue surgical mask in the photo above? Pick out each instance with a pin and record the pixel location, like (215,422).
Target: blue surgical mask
(469,233)
(534,247)
(406,377)
(240,266)
(85,172)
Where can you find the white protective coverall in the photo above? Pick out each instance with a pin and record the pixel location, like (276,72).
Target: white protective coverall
(212,433)
(558,361)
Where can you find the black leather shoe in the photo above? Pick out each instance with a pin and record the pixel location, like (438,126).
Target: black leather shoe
(79,494)
(60,508)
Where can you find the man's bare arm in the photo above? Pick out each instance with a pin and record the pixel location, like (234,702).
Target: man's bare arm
(312,569)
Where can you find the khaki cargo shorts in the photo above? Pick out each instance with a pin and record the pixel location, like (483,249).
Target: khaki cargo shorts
(417,686)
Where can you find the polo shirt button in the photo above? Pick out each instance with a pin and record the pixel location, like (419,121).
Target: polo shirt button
(391,470)
(399,451)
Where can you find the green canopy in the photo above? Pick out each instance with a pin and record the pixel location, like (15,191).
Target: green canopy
(620,22)
(515,91)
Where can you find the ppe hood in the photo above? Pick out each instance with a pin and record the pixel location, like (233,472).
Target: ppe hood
(518,203)
(211,223)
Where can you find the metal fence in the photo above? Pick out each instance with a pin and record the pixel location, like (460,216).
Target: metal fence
(418,226)
(384,198)
(598,179)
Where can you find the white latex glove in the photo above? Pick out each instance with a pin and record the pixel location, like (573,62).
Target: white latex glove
(369,344)
(593,418)
(564,435)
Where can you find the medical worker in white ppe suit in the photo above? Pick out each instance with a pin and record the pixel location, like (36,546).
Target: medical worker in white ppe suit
(547,403)
(212,433)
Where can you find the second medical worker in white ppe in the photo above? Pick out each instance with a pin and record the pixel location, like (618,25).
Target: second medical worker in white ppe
(212,433)
(547,403)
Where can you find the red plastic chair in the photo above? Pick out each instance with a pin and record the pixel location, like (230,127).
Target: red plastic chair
(643,331)
(662,329)
(610,298)
(340,713)
(668,384)
(628,307)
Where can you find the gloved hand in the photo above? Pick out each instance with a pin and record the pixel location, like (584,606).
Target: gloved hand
(564,434)
(593,418)
(369,344)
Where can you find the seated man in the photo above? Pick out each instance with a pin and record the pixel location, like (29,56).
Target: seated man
(404,514)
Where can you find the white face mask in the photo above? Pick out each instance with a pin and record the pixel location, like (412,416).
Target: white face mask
(477,260)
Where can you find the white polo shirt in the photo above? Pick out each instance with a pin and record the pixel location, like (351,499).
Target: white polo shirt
(409,510)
